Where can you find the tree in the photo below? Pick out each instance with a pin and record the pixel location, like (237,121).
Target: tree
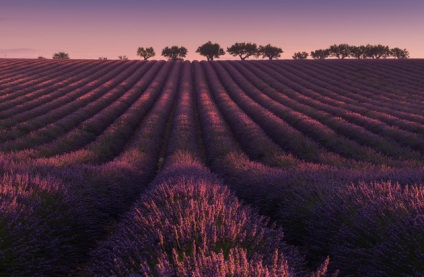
(300,55)
(174,53)
(269,51)
(61,56)
(210,50)
(146,53)
(399,53)
(41,58)
(103,58)
(320,54)
(340,51)
(243,50)
(378,51)
(359,52)
(124,57)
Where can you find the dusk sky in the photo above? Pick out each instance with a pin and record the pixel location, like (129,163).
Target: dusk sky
(90,29)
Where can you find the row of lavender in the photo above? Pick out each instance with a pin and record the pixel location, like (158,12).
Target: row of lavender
(325,127)
(228,134)
(228,234)
(189,224)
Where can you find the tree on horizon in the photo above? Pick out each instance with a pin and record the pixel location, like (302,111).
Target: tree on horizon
(269,51)
(174,53)
(399,53)
(300,55)
(210,50)
(340,51)
(61,56)
(320,54)
(146,53)
(243,50)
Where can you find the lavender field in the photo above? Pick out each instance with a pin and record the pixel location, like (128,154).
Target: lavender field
(222,168)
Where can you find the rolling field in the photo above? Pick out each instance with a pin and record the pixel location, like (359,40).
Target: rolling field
(227,168)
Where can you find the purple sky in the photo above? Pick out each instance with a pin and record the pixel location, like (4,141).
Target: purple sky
(94,28)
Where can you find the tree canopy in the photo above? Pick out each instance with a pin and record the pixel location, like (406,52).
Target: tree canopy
(269,51)
(146,53)
(61,56)
(210,50)
(340,51)
(320,54)
(123,57)
(174,53)
(243,50)
(399,53)
(300,55)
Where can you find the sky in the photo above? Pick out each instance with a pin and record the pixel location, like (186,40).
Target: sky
(88,29)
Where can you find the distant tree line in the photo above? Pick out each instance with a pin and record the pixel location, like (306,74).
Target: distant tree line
(213,51)
(245,50)
(342,51)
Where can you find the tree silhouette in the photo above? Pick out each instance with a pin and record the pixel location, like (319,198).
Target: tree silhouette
(210,50)
(61,56)
(359,52)
(269,51)
(243,50)
(378,51)
(300,55)
(174,53)
(340,51)
(41,58)
(146,53)
(123,57)
(103,58)
(399,53)
(320,54)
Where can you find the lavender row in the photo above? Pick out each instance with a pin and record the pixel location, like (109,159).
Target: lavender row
(183,133)
(379,112)
(188,223)
(402,75)
(349,90)
(30,97)
(25,72)
(43,85)
(370,223)
(248,133)
(377,84)
(408,139)
(158,97)
(216,134)
(73,94)
(328,117)
(283,125)
(79,121)
(373,125)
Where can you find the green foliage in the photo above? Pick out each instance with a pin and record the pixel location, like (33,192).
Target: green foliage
(174,53)
(300,56)
(320,54)
(243,50)
(61,56)
(146,53)
(269,51)
(210,50)
(340,51)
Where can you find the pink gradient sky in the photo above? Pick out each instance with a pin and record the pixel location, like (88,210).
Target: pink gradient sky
(93,28)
